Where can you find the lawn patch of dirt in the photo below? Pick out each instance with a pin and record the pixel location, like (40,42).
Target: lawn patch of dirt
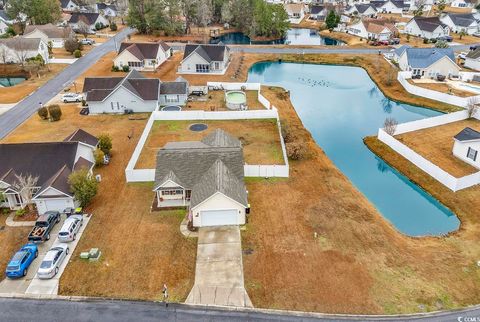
(260,137)
(436,144)
(18,92)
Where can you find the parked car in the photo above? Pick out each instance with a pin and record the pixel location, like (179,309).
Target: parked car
(52,261)
(462,55)
(71,97)
(441,77)
(418,76)
(87,41)
(18,265)
(473,47)
(445,38)
(394,41)
(43,227)
(70,228)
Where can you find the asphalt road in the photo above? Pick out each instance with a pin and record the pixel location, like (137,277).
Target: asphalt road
(116,311)
(23,110)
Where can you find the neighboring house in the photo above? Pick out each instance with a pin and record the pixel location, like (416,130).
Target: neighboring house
(318,12)
(295,11)
(5,18)
(173,93)
(398,52)
(205,59)
(427,27)
(463,3)
(133,92)
(362,10)
(466,146)
(89,18)
(472,59)
(461,22)
(429,62)
(206,177)
(108,10)
(49,33)
(389,6)
(51,163)
(376,29)
(18,49)
(142,56)
(69,5)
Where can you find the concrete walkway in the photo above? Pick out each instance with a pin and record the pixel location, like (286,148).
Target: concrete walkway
(219,269)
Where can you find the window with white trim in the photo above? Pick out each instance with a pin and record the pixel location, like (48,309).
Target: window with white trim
(472,154)
(172,192)
(202,68)
(172,98)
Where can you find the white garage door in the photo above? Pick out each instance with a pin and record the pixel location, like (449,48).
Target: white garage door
(219,217)
(58,204)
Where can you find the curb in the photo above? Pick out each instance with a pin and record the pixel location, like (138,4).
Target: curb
(11,223)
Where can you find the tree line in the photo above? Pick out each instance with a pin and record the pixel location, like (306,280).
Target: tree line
(176,17)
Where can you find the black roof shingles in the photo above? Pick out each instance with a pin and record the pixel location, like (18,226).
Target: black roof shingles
(467,134)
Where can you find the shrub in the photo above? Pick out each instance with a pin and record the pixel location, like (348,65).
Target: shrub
(77,53)
(55,112)
(98,155)
(105,143)
(390,125)
(43,113)
(286,132)
(83,185)
(84,102)
(295,150)
(126,68)
(425,40)
(99,26)
(113,26)
(115,68)
(20,212)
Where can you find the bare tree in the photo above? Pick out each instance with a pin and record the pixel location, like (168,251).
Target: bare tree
(83,28)
(21,50)
(472,107)
(390,125)
(4,56)
(204,14)
(25,185)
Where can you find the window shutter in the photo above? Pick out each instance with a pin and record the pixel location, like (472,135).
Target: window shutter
(475,156)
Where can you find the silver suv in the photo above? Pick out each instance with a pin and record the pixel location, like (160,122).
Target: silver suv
(70,228)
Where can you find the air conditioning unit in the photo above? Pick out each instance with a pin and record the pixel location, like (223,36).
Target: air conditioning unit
(98,178)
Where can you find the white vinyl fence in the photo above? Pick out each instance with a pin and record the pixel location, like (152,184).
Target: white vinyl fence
(431,94)
(146,175)
(430,168)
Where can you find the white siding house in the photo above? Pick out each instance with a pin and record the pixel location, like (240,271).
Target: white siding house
(467,145)
(429,62)
(16,50)
(461,22)
(430,28)
(49,33)
(202,59)
(462,4)
(142,56)
(472,59)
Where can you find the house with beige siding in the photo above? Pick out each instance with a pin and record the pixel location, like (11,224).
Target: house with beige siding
(429,62)
(49,34)
(142,56)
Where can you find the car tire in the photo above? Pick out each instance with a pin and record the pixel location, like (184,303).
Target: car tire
(58,219)
(48,237)
(66,251)
(78,101)
(36,253)
(25,272)
(56,271)
(65,101)
(74,237)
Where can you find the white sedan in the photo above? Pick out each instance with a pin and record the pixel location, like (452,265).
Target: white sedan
(52,261)
(71,97)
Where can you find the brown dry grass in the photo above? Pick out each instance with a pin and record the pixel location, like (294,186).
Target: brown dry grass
(260,139)
(11,239)
(18,92)
(140,250)
(436,144)
(443,88)
(216,102)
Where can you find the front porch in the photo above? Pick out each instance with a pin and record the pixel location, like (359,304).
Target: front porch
(171,199)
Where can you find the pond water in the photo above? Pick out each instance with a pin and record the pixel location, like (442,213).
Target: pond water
(295,36)
(341,105)
(10,81)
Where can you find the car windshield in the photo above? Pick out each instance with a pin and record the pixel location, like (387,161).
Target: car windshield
(42,224)
(46,264)
(13,268)
(18,256)
(63,233)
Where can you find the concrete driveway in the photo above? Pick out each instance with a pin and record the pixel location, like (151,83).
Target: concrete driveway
(219,269)
(30,284)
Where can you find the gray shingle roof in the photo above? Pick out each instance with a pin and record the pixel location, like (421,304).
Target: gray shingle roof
(208,52)
(196,167)
(50,30)
(144,50)
(82,136)
(400,50)
(424,57)
(218,179)
(462,19)
(179,86)
(88,17)
(474,54)
(361,8)
(467,134)
(21,43)
(429,23)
